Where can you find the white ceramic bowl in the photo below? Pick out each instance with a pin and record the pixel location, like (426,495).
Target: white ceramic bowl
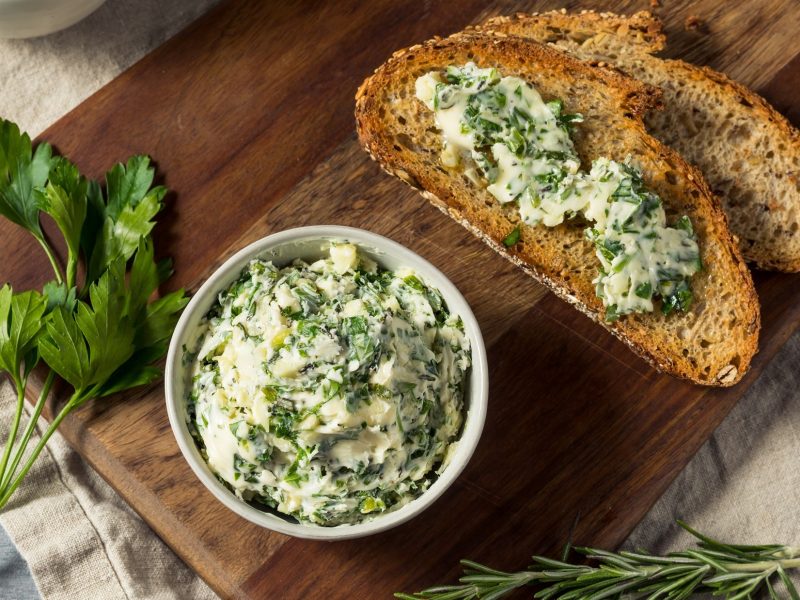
(31,18)
(309,243)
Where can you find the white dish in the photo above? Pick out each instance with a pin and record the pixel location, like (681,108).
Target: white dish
(309,243)
(32,18)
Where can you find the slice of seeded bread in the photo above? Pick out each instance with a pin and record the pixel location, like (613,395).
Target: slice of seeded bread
(748,152)
(710,344)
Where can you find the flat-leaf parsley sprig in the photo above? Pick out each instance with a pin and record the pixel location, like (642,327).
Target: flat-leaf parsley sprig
(725,570)
(101,335)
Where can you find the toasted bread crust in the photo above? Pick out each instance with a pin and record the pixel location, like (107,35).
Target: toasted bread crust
(640,31)
(620,102)
(764,219)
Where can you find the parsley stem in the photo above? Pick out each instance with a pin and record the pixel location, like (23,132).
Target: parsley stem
(74,400)
(52,257)
(12,434)
(72,270)
(20,450)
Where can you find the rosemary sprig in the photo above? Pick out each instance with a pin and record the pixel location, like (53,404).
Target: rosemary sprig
(725,570)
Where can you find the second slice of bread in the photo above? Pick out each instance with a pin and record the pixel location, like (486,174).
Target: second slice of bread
(747,151)
(714,341)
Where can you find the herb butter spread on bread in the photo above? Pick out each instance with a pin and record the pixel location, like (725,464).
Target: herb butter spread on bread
(712,342)
(523,153)
(748,152)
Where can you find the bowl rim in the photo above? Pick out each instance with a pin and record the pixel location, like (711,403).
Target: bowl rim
(478,382)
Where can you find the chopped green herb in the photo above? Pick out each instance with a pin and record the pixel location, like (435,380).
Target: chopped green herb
(521,147)
(512,238)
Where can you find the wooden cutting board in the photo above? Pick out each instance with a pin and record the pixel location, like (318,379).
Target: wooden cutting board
(248,114)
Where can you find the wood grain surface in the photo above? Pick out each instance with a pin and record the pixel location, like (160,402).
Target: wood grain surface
(248,114)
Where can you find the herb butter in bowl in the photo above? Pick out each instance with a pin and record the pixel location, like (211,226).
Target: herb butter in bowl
(327,383)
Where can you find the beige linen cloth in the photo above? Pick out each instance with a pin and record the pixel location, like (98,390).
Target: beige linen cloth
(82,541)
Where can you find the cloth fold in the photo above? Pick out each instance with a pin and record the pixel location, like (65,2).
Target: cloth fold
(81,540)
(743,486)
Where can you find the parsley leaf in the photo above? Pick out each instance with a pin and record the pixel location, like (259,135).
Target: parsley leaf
(64,199)
(104,323)
(58,294)
(118,331)
(161,316)
(115,223)
(20,324)
(127,185)
(64,349)
(153,322)
(21,172)
(144,277)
